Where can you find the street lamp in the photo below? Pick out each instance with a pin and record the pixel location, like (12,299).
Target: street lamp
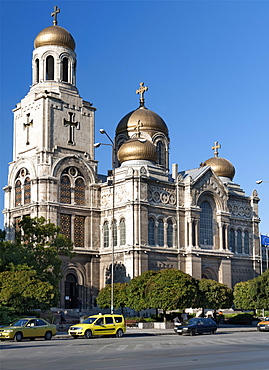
(260,181)
(97,145)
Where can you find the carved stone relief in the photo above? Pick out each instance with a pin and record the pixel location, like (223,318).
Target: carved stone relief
(161,195)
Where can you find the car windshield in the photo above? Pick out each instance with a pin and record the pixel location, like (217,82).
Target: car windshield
(21,322)
(192,322)
(89,320)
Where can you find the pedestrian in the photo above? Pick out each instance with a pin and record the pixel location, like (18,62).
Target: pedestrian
(62,318)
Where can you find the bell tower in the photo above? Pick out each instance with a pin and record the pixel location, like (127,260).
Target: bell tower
(53,132)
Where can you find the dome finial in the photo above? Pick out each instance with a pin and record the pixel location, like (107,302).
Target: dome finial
(54,15)
(141,91)
(215,148)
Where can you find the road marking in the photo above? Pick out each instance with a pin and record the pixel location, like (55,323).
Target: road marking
(122,347)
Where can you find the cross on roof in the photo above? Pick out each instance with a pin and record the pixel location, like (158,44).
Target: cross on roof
(54,14)
(215,148)
(138,126)
(141,91)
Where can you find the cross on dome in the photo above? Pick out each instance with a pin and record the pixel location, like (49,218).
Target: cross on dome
(141,91)
(54,15)
(215,148)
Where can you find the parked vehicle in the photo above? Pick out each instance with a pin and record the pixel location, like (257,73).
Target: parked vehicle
(197,325)
(30,328)
(97,325)
(263,325)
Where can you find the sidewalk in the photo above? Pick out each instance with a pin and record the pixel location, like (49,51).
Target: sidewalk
(150,332)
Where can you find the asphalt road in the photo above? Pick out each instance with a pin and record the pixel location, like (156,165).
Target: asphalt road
(137,351)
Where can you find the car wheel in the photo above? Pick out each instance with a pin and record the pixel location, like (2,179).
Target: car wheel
(48,335)
(119,333)
(213,331)
(18,337)
(259,329)
(88,334)
(193,332)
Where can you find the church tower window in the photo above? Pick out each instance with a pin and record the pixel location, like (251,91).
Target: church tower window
(37,70)
(106,235)
(122,232)
(246,242)
(80,191)
(160,233)
(18,193)
(239,241)
(65,225)
(79,227)
(65,192)
(151,226)
(65,69)
(50,68)
(232,240)
(169,234)
(206,224)
(27,191)
(161,153)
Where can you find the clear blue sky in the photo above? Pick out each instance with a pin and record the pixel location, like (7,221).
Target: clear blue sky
(206,64)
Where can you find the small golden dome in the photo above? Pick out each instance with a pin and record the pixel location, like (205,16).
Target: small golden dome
(55,35)
(150,122)
(221,166)
(137,149)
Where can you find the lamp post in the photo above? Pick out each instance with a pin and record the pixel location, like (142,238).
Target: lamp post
(96,145)
(266,246)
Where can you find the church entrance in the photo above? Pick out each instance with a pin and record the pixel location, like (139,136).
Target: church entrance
(71,291)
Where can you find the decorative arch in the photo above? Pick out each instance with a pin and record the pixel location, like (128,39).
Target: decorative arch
(209,273)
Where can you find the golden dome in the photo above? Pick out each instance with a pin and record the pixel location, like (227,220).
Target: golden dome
(55,35)
(137,149)
(221,166)
(150,122)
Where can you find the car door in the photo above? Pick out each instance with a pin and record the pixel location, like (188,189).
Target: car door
(30,330)
(110,325)
(41,327)
(99,327)
(200,326)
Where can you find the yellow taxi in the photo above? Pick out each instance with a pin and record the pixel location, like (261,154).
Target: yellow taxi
(29,328)
(99,325)
(263,325)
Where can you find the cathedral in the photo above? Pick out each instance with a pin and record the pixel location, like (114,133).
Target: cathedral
(139,216)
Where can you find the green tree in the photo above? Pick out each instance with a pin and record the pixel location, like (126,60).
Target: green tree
(39,246)
(119,296)
(259,290)
(243,298)
(21,289)
(139,291)
(213,294)
(172,289)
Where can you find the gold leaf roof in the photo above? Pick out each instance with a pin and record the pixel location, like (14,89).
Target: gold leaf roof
(55,35)
(137,149)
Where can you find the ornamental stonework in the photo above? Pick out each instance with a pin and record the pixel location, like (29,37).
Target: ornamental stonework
(209,183)
(161,195)
(239,209)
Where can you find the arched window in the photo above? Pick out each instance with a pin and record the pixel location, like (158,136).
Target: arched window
(239,241)
(65,192)
(18,193)
(151,227)
(37,70)
(65,69)
(246,242)
(160,233)
(65,225)
(106,235)
(27,191)
(50,68)
(79,227)
(232,240)
(161,153)
(79,191)
(122,232)
(170,234)
(206,224)
(115,237)
(224,237)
